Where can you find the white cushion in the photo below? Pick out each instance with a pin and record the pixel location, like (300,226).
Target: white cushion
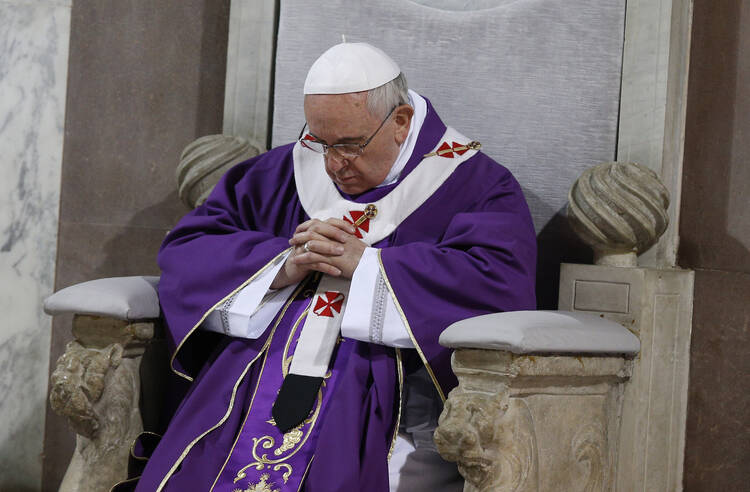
(524,332)
(126,298)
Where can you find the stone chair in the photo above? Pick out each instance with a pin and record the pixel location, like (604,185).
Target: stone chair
(545,399)
(590,398)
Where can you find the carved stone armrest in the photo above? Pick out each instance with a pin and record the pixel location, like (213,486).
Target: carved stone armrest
(96,384)
(537,406)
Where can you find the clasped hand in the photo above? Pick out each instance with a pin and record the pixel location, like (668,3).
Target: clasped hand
(332,248)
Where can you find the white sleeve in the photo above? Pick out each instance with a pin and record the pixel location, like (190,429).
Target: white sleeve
(248,313)
(371,315)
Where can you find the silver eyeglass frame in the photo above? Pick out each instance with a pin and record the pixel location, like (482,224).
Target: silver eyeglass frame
(336,147)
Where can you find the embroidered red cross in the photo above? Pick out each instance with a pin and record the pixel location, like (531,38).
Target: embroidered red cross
(458,148)
(356,215)
(447,150)
(328,302)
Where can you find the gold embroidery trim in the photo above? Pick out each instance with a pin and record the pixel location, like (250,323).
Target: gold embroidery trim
(234,394)
(257,383)
(286,361)
(125,481)
(132,445)
(408,328)
(221,301)
(304,475)
(400,370)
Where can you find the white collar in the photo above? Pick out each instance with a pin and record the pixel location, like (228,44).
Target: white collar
(321,200)
(420,111)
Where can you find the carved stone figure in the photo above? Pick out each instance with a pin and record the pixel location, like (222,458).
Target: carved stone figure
(492,440)
(96,386)
(526,423)
(619,209)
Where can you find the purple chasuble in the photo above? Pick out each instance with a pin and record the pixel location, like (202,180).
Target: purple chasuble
(468,250)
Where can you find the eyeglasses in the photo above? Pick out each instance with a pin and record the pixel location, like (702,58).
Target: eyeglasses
(345,150)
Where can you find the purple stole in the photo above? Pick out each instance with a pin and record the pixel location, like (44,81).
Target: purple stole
(263,458)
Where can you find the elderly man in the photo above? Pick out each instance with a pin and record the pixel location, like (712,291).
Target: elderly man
(305,298)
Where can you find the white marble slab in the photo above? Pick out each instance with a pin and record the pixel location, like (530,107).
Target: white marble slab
(249,66)
(653,100)
(34,39)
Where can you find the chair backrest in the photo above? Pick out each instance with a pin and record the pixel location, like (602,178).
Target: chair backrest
(536,81)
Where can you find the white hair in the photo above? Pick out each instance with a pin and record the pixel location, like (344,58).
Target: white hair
(382,99)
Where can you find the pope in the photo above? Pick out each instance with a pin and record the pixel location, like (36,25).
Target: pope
(305,298)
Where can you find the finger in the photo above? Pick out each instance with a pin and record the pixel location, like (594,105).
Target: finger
(342,224)
(303,237)
(325,268)
(330,231)
(323,247)
(308,258)
(306,225)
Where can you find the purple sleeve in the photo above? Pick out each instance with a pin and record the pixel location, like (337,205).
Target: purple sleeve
(218,247)
(484,262)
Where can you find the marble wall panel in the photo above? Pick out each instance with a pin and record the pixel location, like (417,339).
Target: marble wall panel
(653,100)
(146,79)
(33,71)
(250,64)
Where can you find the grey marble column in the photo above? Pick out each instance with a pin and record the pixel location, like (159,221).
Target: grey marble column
(34,40)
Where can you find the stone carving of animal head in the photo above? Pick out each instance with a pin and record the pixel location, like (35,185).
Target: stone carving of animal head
(467,432)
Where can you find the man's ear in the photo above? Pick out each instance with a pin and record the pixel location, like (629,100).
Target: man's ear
(402,117)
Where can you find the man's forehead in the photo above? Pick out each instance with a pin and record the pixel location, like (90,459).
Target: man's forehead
(332,101)
(343,116)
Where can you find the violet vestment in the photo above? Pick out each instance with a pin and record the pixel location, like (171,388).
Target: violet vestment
(469,249)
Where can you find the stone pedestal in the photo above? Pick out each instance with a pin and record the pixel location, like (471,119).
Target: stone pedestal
(656,305)
(96,386)
(533,422)
(538,402)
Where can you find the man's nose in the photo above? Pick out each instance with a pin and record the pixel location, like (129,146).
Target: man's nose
(335,161)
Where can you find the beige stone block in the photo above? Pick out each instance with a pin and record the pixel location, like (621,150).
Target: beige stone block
(533,423)
(659,311)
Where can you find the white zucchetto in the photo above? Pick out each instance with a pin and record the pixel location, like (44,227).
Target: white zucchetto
(350,67)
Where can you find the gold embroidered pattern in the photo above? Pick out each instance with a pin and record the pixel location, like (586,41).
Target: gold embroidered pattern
(262,486)
(267,442)
(295,442)
(291,438)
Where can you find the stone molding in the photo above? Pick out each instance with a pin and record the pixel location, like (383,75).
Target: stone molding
(653,102)
(250,67)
